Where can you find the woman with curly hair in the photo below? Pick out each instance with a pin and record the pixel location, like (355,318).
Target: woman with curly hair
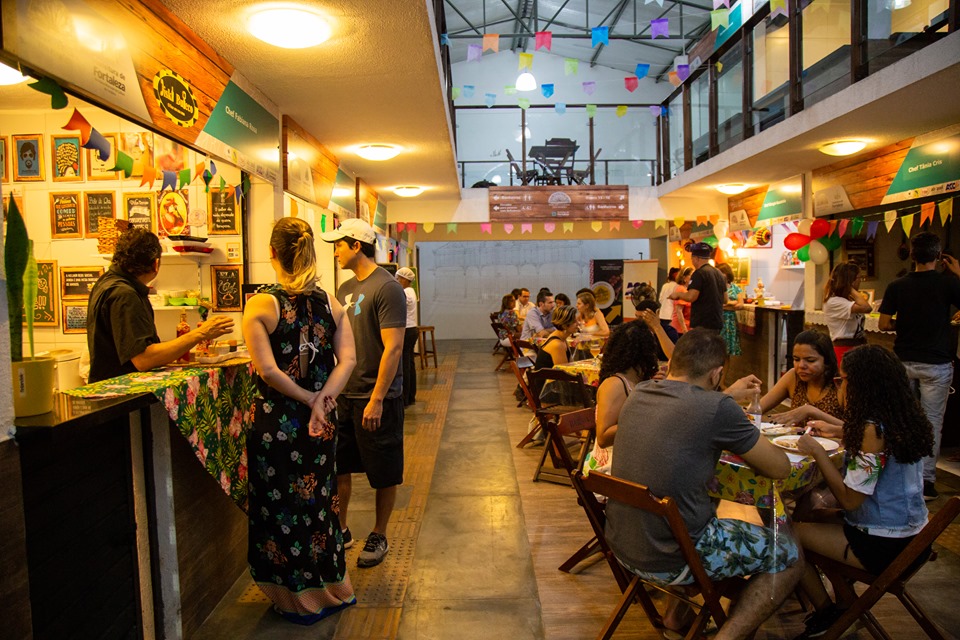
(844,306)
(630,356)
(809,384)
(886,434)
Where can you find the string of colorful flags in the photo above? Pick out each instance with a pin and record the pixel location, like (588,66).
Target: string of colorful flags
(509,228)
(92,139)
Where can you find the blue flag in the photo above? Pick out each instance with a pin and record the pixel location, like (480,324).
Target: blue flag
(490,99)
(547,90)
(599,35)
(642,70)
(560,108)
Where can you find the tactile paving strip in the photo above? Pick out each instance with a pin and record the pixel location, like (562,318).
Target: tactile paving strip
(253,595)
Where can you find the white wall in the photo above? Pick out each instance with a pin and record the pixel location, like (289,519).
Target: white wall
(461,283)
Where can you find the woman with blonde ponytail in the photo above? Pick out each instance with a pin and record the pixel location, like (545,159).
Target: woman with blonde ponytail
(302,348)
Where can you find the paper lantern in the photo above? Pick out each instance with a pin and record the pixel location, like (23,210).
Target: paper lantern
(819,228)
(818,253)
(794,241)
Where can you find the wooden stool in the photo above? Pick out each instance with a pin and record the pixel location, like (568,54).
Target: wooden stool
(425,354)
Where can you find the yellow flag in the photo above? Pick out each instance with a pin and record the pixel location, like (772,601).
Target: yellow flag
(294,209)
(678,221)
(596,225)
(907,222)
(525,61)
(660,223)
(946,210)
(428,227)
(568,227)
(621,110)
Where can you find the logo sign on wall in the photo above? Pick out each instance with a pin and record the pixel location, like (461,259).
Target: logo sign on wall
(175,98)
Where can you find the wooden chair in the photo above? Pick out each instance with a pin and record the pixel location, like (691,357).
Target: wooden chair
(496,345)
(519,367)
(572,424)
(507,353)
(639,497)
(579,176)
(525,177)
(893,580)
(574,397)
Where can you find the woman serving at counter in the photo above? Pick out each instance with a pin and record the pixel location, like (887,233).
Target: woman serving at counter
(293,331)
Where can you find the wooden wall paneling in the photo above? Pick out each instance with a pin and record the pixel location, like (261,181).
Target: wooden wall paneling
(750,201)
(865,179)
(14,582)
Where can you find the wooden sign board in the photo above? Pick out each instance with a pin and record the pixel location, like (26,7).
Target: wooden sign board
(222,213)
(226,282)
(45,308)
(65,215)
(559,203)
(96,205)
(76,282)
(140,209)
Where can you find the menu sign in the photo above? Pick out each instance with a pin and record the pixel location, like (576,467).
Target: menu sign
(550,204)
(97,204)
(226,281)
(45,308)
(222,213)
(76,282)
(65,215)
(139,208)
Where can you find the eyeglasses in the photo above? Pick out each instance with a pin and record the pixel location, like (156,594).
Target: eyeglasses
(838,380)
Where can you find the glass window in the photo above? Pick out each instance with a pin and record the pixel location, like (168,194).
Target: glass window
(628,144)
(730,99)
(897,28)
(771,72)
(483,139)
(675,113)
(700,117)
(826,49)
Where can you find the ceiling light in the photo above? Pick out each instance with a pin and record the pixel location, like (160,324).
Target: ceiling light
(9,75)
(496,179)
(843,147)
(343,192)
(289,27)
(378,152)
(526,82)
(731,189)
(897,4)
(408,191)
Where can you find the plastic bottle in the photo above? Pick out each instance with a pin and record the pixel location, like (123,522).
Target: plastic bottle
(754,412)
(183,328)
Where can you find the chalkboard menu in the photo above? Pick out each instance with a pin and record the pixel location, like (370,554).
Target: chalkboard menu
(45,308)
(139,209)
(222,213)
(97,204)
(65,215)
(226,282)
(76,282)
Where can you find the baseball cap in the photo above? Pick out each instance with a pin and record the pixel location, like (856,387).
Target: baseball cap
(351,228)
(406,274)
(700,250)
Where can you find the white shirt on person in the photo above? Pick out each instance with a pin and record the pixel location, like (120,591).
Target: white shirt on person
(411,307)
(666,304)
(842,322)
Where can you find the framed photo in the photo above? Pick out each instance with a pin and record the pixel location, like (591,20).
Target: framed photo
(96,205)
(140,209)
(46,308)
(4,169)
(222,217)
(28,160)
(172,212)
(65,215)
(76,283)
(98,169)
(169,155)
(139,146)
(74,317)
(226,281)
(67,158)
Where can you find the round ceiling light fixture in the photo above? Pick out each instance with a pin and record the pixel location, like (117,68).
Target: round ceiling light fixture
(842,147)
(378,152)
(526,82)
(10,76)
(289,27)
(731,189)
(408,191)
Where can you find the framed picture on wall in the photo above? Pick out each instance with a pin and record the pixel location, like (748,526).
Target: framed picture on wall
(172,212)
(67,158)
(140,209)
(98,169)
(5,175)
(74,317)
(28,158)
(66,218)
(222,217)
(169,155)
(46,308)
(760,238)
(96,205)
(139,146)
(226,281)
(77,282)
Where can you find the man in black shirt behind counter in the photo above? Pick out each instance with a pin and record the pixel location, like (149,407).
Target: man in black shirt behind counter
(706,291)
(121,335)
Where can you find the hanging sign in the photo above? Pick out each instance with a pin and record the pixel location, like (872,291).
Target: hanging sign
(544,204)
(932,167)
(175,98)
(782,203)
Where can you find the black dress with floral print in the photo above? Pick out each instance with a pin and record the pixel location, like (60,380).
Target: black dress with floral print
(295,543)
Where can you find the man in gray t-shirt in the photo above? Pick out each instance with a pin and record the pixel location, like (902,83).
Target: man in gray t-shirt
(669,437)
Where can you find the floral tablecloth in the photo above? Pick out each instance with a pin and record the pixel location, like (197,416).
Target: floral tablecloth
(212,406)
(589,369)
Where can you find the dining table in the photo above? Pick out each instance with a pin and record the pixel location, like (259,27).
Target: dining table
(555,159)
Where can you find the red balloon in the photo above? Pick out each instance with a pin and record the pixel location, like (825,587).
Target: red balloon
(794,241)
(819,228)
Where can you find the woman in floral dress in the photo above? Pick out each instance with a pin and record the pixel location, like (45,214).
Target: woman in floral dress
(730,332)
(302,347)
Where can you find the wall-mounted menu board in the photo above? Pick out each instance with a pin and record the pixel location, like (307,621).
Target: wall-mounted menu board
(140,209)
(45,308)
(222,213)
(76,282)
(226,282)
(97,204)
(74,317)
(65,215)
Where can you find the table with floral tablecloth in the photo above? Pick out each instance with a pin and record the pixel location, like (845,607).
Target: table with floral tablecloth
(589,369)
(212,407)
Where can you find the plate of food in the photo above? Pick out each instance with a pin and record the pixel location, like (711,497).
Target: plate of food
(774,429)
(790,443)
(604,294)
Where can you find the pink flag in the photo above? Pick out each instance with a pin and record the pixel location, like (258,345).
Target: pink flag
(549,227)
(660,27)
(843,227)
(508,228)
(486,227)
(717,3)
(412,226)
(636,223)
(631,83)
(526,228)
(543,39)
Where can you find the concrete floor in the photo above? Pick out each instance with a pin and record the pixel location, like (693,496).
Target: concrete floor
(472,577)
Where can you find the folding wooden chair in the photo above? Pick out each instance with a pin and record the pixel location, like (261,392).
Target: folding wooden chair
(893,580)
(496,345)
(507,353)
(572,396)
(525,177)
(639,497)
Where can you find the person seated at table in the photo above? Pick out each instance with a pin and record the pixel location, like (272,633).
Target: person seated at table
(809,384)
(562,300)
(537,322)
(524,306)
(508,319)
(885,437)
(554,350)
(669,438)
(589,318)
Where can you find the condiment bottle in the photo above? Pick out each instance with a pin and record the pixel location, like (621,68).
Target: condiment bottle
(754,412)
(203,347)
(183,328)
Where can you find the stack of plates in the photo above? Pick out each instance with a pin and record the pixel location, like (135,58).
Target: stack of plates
(190,244)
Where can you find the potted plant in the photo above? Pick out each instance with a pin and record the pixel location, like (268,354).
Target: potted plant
(33,377)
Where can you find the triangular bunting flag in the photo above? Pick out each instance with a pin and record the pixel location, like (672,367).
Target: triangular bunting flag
(428,227)
(946,210)
(238,193)
(526,228)
(486,227)
(454,93)
(719,66)
(444,40)
(889,219)
(490,99)
(599,35)
(508,228)
(856,226)
(701,220)
(491,42)
(717,3)
(510,90)
(568,227)
(184,177)
(778,7)
(642,70)
(655,110)
(323,222)
(543,39)
(549,227)
(546,89)
(523,103)
(570,66)
(58,99)
(636,223)
(678,221)
(213,168)
(872,229)
(660,27)
(843,227)
(683,71)
(631,83)
(560,108)
(591,110)
(621,110)
(524,61)
(660,223)
(169,180)
(927,211)
(412,227)
(468,90)
(98,143)
(674,78)
(124,163)
(474,52)
(907,223)
(614,225)
(149,177)
(596,225)
(451,227)
(589,87)
(401,227)
(719,18)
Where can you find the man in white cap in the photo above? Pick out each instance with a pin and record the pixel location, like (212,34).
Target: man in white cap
(370,409)
(406,276)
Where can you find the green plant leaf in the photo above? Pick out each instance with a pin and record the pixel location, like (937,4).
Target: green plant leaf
(15,253)
(31,283)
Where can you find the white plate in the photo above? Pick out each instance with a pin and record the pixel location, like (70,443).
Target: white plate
(790,443)
(774,429)
(605,299)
